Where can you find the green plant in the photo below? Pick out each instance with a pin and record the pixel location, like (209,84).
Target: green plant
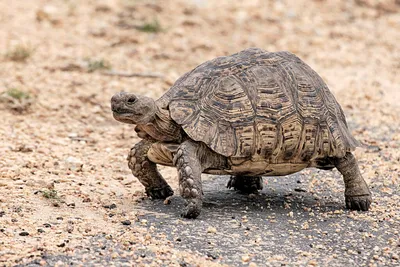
(101,64)
(19,53)
(50,194)
(151,27)
(17,94)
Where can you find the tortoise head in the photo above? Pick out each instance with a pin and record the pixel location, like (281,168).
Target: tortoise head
(133,109)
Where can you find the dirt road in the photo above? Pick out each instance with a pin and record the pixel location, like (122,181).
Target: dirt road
(66,193)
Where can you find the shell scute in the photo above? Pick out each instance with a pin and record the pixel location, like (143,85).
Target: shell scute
(260,104)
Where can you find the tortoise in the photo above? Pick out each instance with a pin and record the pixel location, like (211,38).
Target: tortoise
(251,114)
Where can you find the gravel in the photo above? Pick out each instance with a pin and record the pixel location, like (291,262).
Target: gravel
(66,191)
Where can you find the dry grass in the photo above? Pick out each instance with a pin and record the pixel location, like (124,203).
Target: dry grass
(95,65)
(17,94)
(50,194)
(19,53)
(150,27)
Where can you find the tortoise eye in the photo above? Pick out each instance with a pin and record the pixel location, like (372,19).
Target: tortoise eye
(131,100)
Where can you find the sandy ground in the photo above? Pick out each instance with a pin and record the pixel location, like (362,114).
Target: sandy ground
(64,182)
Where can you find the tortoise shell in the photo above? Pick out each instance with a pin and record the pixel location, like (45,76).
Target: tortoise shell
(257,104)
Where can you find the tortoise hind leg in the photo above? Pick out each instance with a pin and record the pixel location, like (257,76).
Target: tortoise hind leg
(146,171)
(245,184)
(357,194)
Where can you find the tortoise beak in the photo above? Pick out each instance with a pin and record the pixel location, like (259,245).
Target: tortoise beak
(117,102)
(122,106)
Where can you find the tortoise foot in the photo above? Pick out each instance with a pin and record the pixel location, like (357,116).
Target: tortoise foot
(246,184)
(358,202)
(192,209)
(160,193)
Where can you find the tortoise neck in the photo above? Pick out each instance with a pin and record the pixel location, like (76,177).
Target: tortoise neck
(162,127)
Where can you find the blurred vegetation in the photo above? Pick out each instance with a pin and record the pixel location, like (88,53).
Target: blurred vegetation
(19,53)
(17,94)
(16,100)
(94,65)
(150,27)
(50,194)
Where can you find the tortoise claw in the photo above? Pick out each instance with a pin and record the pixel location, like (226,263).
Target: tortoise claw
(361,203)
(159,193)
(192,209)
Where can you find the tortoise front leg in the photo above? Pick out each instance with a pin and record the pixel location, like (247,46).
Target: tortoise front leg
(146,171)
(357,194)
(187,161)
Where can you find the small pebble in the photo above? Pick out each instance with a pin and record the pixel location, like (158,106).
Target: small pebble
(167,201)
(126,222)
(313,263)
(114,255)
(245,258)
(74,164)
(24,234)
(212,255)
(112,206)
(70,227)
(211,230)
(305,226)
(72,135)
(300,190)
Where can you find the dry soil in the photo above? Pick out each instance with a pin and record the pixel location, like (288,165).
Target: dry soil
(66,193)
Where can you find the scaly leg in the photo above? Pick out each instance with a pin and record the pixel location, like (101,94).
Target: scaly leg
(146,171)
(357,194)
(245,184)
(187,161)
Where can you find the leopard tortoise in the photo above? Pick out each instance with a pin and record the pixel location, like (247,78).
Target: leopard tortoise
(248,115)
